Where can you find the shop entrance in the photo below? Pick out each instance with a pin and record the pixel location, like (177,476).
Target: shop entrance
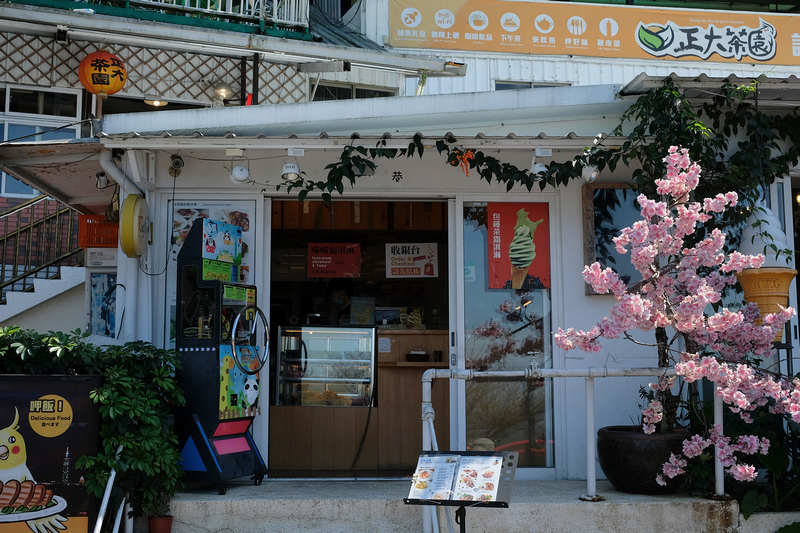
(507,324)
(357,289)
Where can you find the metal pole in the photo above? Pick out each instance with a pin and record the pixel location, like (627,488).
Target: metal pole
(591,474)
(719,472)
(106,495)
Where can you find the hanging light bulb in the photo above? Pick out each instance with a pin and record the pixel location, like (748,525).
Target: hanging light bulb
(589,173)
(290,172)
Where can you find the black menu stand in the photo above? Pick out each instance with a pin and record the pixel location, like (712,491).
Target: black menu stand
(460,498)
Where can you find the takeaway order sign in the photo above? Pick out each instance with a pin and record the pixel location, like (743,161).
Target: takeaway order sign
(600,31)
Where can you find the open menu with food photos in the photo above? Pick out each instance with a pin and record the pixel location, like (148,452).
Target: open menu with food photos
(462,478)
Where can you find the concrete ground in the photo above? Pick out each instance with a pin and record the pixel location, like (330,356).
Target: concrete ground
(332,506)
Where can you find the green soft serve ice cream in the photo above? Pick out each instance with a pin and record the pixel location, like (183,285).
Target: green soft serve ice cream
(522,250)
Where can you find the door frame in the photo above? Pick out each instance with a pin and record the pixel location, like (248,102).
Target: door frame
(458,330)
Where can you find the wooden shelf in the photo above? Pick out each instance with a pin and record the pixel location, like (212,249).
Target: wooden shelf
(442,364)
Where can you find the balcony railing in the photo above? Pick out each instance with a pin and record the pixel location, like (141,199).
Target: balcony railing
(287,13)
(37,237)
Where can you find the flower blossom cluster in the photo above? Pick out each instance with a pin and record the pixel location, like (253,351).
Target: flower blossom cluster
(726,451)
(680,286)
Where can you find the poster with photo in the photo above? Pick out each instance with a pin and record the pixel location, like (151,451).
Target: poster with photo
(183,213)
(519,245)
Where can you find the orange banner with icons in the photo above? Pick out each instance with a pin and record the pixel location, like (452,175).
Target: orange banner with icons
(595,30)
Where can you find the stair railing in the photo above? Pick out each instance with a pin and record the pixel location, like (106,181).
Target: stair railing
(36,238)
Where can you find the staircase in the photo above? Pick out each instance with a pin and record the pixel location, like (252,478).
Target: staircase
(42,260)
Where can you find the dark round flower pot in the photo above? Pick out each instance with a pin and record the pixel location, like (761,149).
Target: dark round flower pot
(631,459)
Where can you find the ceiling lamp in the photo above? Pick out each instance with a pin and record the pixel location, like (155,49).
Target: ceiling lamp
(240,174)
(589,173)
(290,172)
(537,168)
(154,100)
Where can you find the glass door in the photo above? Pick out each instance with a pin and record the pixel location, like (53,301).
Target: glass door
(506,326)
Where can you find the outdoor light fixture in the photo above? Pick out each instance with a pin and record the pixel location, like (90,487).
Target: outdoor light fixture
(240,174)
(537,168)
(290,172)
(222,92)
(154,100)
(589,172)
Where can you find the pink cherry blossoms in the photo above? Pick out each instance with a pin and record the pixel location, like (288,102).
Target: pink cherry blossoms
(680,285)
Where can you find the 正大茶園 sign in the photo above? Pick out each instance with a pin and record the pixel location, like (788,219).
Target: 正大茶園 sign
(600,31)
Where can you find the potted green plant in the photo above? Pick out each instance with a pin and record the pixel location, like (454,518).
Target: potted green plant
(136,399)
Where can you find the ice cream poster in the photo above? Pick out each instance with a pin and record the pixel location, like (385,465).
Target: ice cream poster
(46,424)
(519,246)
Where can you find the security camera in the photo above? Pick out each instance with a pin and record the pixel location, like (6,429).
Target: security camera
(177,162)
(101,180)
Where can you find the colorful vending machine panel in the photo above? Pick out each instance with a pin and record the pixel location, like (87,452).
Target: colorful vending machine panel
(222,340)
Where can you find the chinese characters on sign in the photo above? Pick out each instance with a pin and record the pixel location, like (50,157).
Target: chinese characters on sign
(102,71)
(412,260)
(334,260)
(606,31)
(519,246)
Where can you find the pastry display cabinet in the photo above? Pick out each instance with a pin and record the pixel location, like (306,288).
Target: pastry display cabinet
(324,366)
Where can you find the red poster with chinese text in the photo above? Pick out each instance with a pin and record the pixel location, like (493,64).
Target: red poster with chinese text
(519,246)
(334,260)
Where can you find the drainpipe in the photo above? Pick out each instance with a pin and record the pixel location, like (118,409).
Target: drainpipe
(128,270)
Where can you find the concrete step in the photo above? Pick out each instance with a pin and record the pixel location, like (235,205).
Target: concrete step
(43,290)
(332,506)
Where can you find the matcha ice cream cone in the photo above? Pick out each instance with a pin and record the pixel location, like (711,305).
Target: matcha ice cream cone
(522,251)
(518,276)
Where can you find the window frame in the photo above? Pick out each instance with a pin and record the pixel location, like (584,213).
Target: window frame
(36,120)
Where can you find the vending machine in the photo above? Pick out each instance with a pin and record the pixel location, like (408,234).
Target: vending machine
(222,338)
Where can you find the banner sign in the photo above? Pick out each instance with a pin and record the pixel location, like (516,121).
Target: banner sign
(595,30)
(46,424)
(334,260)
(412,260)
(519,246)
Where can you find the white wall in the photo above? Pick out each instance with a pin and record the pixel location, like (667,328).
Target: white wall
(65,312)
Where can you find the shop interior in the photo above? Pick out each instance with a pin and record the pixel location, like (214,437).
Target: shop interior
(353,409)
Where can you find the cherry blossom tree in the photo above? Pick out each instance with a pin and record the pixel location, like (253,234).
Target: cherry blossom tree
(679,298)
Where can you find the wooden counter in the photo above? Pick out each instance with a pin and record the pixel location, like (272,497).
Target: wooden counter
(327,438)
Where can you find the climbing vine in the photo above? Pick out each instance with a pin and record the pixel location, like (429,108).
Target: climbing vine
(738,146)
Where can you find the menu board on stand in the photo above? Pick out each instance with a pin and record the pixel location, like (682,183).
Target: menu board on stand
(463,479)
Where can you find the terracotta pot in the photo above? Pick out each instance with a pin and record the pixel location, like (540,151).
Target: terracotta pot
(631,459)
(159,524)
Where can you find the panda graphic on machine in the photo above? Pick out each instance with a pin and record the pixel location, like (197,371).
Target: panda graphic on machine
(251,392)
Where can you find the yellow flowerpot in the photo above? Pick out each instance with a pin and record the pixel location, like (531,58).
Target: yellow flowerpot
(768,288)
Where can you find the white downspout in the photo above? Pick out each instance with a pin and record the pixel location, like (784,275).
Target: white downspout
(128,269)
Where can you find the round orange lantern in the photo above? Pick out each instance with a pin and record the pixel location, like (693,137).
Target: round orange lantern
(102,72)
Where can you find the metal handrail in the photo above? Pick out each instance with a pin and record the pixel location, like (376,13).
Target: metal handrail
(98,525)
(429,441)
(36,236)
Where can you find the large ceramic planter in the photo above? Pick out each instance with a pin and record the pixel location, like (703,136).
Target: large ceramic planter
(631,459)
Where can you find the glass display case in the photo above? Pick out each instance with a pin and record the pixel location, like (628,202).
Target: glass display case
(325,365)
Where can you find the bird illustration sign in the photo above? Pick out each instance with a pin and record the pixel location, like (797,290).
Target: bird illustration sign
(46,423)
